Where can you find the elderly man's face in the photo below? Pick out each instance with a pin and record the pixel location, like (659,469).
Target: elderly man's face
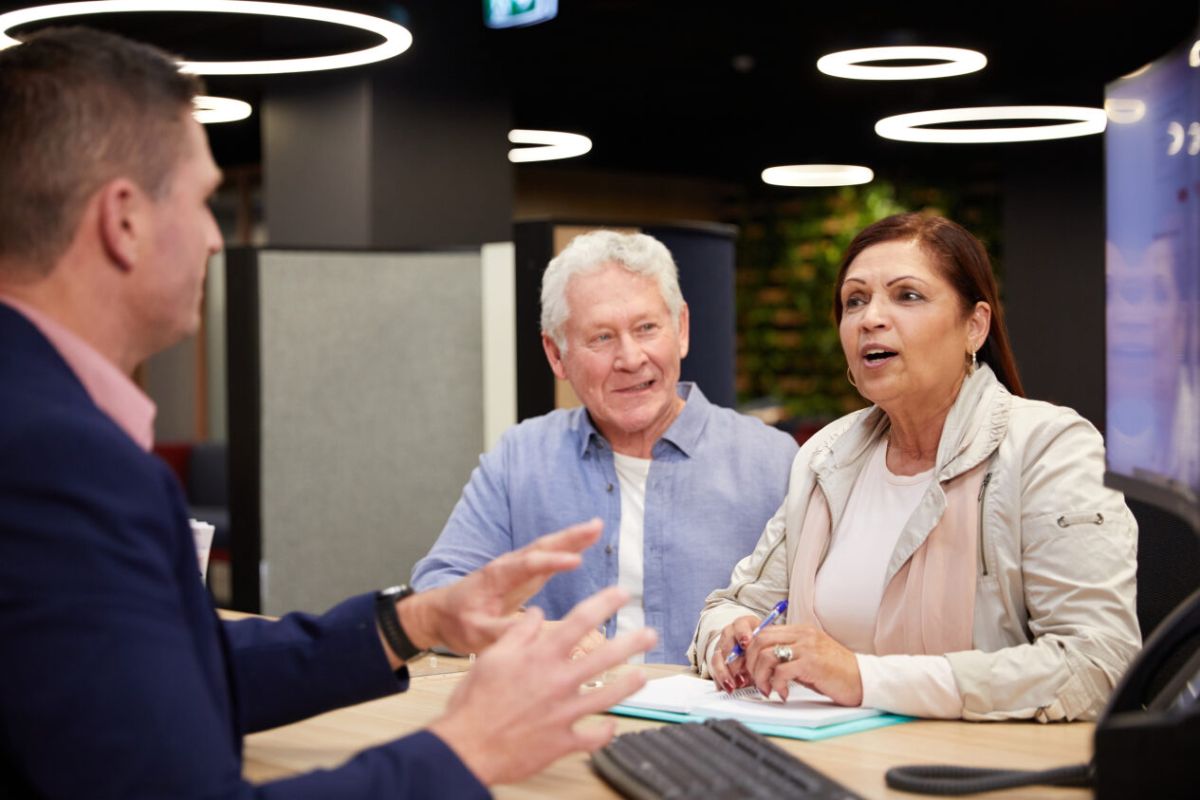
(623,356)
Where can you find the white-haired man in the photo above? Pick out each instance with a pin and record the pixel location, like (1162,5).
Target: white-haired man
(684,487)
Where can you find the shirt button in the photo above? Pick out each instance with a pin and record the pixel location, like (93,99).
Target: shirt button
(608,488)
(608,549)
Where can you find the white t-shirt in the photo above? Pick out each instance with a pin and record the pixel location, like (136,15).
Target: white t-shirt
(631,476)
(849,588)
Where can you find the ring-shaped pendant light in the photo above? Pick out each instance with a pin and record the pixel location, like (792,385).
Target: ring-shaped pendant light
(1124,110)
(817,175)
(551,145)
(396,38)
(856,64)
(1074,121)
(210,110)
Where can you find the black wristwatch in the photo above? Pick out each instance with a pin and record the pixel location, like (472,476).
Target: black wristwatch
(389,622)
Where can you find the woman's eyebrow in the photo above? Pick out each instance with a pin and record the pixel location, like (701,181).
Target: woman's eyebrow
(905,278)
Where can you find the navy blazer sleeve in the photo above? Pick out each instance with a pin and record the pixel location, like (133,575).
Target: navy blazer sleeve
(117,679)
(303,665)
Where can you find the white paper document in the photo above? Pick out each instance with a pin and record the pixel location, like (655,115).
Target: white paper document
(687,694)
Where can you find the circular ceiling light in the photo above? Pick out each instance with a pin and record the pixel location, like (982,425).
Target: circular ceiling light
(551,145)
(396,38)
(856,64)
(1074,121)
(211,110)
(1124,110)
(817,175)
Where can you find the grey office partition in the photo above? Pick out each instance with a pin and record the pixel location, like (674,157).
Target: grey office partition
(355,418)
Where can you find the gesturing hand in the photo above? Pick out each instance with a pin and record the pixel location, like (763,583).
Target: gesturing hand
(470,614)
(516,711)
(590,641)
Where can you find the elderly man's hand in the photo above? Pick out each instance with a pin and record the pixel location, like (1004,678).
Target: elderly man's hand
(470,614)
(516,711)
(590,641)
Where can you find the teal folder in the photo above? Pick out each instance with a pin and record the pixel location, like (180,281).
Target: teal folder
(786,731)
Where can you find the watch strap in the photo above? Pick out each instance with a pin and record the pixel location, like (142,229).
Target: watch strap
(389,622)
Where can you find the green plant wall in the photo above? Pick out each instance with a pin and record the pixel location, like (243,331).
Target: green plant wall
(789,353)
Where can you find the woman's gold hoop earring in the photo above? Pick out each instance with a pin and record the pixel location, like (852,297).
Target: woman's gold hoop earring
(850,377)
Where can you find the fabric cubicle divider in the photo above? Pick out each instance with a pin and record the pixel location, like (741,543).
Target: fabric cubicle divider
(355,416)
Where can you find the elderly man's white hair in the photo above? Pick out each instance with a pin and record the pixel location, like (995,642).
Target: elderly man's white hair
(586,253)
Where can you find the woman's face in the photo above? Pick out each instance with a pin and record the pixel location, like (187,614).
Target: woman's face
(903,329)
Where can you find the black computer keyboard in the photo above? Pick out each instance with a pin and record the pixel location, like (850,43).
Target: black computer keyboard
(712,759)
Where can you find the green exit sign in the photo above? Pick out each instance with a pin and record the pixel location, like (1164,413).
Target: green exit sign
(513,13)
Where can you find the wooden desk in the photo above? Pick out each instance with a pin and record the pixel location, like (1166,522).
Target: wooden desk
(857,760)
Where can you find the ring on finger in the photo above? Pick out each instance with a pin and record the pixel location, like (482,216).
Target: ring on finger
(783,652)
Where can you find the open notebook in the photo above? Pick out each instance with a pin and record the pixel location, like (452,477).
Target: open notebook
(804,715)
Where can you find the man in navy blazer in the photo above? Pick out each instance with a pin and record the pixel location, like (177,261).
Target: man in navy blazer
(118,679)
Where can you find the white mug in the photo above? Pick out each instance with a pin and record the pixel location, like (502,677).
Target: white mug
(202,532)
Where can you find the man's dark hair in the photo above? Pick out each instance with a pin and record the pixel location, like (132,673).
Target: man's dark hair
(78,108)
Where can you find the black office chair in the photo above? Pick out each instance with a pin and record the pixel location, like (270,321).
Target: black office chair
(1168,563)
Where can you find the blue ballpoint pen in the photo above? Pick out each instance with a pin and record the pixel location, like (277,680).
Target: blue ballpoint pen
(780,607)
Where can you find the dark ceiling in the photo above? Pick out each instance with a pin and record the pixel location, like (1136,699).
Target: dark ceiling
(718,90)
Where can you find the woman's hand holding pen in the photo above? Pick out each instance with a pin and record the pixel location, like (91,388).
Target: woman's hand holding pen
(734,647)
(817,661)
(731,676)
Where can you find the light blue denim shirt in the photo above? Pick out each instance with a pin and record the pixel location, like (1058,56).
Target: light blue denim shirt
(716,478)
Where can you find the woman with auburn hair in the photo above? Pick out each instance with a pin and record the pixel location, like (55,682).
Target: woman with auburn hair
(952,550)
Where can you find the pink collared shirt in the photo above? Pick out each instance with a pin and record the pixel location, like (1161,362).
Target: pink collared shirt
(110,389)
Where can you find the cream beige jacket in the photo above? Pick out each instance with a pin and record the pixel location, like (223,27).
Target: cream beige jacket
(1054,622)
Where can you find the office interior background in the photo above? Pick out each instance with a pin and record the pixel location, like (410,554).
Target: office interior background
(367,332)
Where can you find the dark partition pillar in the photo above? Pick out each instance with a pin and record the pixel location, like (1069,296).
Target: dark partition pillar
(533,243)
(1053,276)
(244,398)
(705,256)
(411,153)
